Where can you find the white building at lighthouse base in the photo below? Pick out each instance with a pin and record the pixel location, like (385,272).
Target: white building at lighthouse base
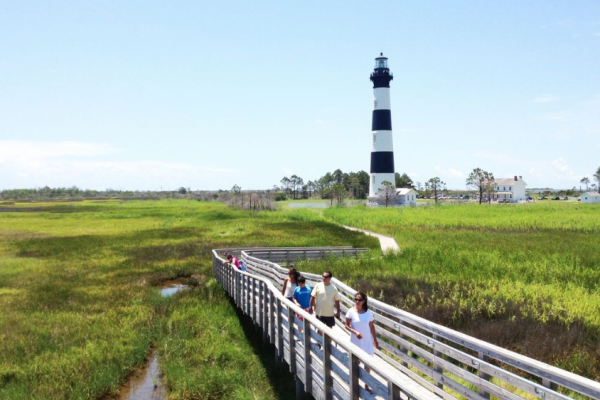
(398,198)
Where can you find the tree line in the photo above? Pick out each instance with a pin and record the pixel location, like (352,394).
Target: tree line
(332,185)
(336,186)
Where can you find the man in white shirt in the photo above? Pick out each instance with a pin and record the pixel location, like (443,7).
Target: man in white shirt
(323,298)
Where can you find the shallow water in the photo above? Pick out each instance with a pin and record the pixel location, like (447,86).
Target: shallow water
(308,205)
(171,290)
(144,384)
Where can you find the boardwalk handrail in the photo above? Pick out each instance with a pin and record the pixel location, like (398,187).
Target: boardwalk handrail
(448,363)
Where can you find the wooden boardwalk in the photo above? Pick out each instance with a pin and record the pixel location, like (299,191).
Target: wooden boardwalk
(417,360)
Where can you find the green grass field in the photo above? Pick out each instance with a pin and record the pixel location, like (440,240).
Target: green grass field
(526,277)
(80,306)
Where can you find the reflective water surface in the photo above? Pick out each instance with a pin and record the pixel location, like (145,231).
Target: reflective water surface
(144,384)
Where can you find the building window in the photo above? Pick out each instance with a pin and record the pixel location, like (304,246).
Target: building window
(509,188)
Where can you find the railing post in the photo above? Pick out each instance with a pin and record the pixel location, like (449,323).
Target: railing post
(401,347)
(327,379)
(238,289)
(550,385)
(292,341)
(253,297)
(248,297)
(307,357)
(228,278)
(353,371)
(300,389)
(436,365)
(483,375)
(271,316)
(226,285)
(264,296)
(279,346)
(256,292)
(393,391)
(243,293)
(230,283)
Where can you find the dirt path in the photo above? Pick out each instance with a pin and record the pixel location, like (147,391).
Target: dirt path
(387,243)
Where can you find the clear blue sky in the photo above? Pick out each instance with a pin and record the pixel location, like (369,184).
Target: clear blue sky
(151,95)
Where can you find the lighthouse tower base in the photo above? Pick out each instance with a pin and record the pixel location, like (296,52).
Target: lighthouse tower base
(379,201)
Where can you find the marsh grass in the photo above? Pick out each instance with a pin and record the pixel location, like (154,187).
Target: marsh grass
(79,309)
(525,277)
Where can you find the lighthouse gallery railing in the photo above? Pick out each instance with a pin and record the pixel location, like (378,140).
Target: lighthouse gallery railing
(417,359)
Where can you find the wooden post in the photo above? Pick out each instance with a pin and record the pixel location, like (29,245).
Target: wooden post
(549,384)
(257,306)
(483,375)
(279,345)
(249,297)
(244,294)
(436,365)
(400,346)
(307,358)
(327,379)
(264,296)
(353,383)
(393,391)
(300,391)
(271,316)
(292,342)
(239,288)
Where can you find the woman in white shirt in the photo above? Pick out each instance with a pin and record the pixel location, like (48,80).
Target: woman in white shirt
(359,321)
(290,284)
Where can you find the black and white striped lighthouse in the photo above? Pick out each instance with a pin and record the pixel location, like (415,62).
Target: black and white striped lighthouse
(382,151)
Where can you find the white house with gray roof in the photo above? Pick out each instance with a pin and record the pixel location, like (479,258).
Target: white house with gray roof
(407,196)
(590,197)
(510,189)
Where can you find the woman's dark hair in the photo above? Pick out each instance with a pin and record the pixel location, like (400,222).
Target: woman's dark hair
(365,298)
(296,274)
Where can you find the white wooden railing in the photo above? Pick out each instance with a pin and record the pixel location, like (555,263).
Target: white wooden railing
(417,358)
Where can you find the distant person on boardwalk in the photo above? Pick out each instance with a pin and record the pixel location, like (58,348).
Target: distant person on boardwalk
(290,284)
(359,321)
(233,261)
(323,298)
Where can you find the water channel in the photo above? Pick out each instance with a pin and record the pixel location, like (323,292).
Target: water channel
(145,383)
